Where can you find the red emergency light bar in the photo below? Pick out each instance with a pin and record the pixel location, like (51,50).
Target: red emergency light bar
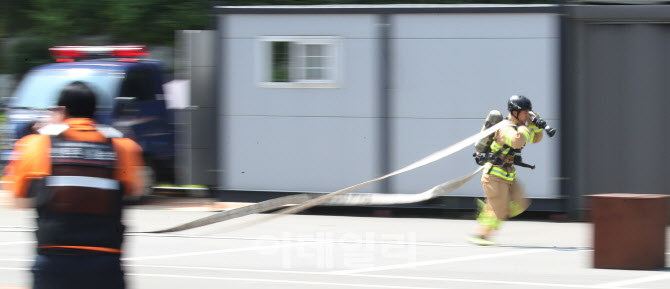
(66,52)
(71,52)
(129,51)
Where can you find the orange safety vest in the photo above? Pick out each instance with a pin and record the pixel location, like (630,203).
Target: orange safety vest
(78,178)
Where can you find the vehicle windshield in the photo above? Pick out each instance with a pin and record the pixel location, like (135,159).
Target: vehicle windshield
(40,89)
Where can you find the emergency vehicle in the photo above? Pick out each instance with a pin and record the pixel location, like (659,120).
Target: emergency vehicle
(130,98)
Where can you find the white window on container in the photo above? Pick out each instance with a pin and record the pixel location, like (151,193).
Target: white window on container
(299,61)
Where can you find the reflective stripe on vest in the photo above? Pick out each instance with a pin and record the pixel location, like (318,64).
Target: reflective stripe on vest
(495,147)
(499,172)
(82,178)
(89,182)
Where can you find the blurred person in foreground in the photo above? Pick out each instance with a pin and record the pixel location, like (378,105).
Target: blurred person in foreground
(505,197)
(76,174)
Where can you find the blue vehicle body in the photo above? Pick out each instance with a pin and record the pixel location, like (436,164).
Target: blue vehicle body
(130,98)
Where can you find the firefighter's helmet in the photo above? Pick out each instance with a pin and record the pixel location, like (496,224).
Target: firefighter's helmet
(519,103)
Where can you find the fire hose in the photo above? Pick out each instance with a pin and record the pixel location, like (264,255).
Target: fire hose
(343,197)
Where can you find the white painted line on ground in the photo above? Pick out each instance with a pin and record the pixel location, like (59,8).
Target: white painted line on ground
(514,283)
(441,261)
(14,269)
(335,241)
(198,268)
(16,243)
(16,260)
(257,248)
(517,283)
(17,229)
(655,277)
(618,284)
(279,281)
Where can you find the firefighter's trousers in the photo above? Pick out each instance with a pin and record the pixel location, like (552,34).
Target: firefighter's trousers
(504,199)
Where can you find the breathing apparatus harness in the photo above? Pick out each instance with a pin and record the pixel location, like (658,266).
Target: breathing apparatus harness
(496,160)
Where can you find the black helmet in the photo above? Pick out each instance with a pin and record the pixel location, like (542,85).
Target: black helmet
(518,103)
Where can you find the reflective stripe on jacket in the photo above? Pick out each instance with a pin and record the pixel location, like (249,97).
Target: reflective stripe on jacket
(509,140)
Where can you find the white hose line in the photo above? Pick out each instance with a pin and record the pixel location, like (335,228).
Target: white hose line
(340,197)
(390,199)
(420,163)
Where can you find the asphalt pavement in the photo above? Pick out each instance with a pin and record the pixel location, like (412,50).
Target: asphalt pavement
(328,251)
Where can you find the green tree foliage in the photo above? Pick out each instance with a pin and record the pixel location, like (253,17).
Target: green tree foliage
(139,21)
(143,21)
(319,2)
(57,19)
(13,16)
(154,21)
(26,53)
(43,23)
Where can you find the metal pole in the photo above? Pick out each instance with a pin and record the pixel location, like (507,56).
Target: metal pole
(384,100)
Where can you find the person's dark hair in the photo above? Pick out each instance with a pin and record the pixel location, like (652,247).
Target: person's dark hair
(78,100)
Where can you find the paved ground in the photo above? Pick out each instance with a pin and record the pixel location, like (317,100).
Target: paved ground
(308,251)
